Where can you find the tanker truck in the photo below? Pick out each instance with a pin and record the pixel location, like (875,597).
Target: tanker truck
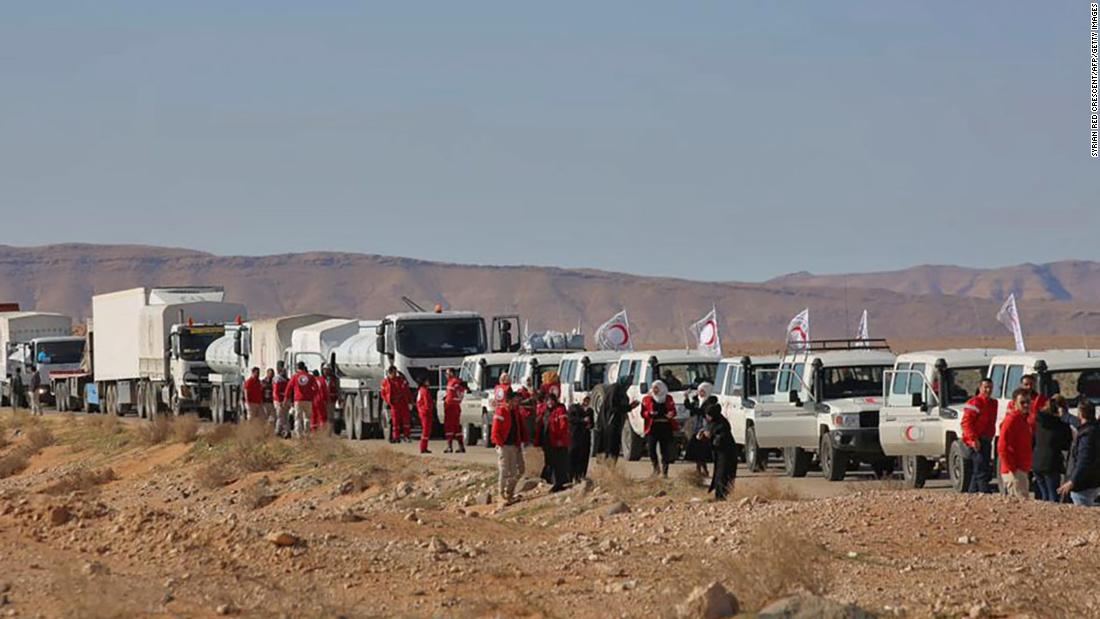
(257,343)
(150,351)
(314,346)
(39,340)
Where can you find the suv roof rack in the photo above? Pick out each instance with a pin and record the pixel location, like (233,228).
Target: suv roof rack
(838,344)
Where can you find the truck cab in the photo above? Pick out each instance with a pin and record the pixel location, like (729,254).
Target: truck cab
(921,417)
(187,367)
(682,371)
(419,344)
(52,357)
(826,405)
(736,392)
(581,371)
(481,373)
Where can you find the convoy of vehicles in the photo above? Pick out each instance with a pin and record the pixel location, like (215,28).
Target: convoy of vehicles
(826,406)
(736,390)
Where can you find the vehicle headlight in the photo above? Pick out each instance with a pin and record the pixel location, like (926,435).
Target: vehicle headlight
(846,421)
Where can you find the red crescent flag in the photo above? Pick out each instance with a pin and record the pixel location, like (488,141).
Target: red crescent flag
(615,334)
(798,330)
(707,340)
(1009,317)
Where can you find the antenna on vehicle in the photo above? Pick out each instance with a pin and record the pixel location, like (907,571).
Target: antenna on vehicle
(412,304)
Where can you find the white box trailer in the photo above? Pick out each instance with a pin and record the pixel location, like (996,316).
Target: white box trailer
(18,328)
(257,343)
(151,346)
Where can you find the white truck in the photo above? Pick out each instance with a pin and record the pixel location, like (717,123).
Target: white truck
(682,372)
(419,344)
(581,371)
(257,343)
(23,335)
(736,392)
(831,410)
(151,343)
(481,374)
(921,418)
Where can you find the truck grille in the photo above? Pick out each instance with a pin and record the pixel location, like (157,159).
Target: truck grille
(868,419)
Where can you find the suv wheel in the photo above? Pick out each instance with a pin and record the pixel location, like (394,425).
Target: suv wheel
(915,470)
(834,464)
(756,459)
(796,461)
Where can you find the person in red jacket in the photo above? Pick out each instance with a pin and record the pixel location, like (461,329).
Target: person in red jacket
(282,402)
(425,409)
(509,433)
(301,390)
(396,394)
(659,413)
(319,418)
(556,441)
(528,406)
(253,395)
(979,425)
(452,411)
(1038,400)
(1014,445)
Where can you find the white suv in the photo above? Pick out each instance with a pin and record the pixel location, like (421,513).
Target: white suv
(581,371)
(739,403)
(833,395)
(481,373)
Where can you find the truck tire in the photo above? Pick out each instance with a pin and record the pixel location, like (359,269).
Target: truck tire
(141,399)
(915,470)
(633,445)
(834,464)
(796,461)
(351,419)
(756,459)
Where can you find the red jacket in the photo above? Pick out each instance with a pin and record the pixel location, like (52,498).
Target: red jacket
(301,387)
(503,421)
(527,402)
(253,390)
(979,419)
(549,388)
(278,388)
(456,389)
(424,402)
(558,427)
(320,395)
(1038,403)
(650,411)
(1014,443)
(395,391)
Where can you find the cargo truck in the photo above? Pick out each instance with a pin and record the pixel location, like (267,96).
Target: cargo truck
(257,343)
(23,336)
(150,352)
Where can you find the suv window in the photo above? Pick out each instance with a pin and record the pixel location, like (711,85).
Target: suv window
(597,375)
(1012,379)
(900,384)
(997,375)
(851,381)
(783,381)
(733,380)
(962,383)
(720,377)
(916,385)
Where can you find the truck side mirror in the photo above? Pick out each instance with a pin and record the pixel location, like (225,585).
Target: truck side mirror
(578,386)
(380,343)
(237,348)
(916,400)
(792,397)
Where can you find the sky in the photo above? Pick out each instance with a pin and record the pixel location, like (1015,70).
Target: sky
(724,140)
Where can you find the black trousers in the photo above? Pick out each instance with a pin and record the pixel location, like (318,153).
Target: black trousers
(613,437)
(660,439)
(725,472)
(981,471)
(558,459)
(579,455)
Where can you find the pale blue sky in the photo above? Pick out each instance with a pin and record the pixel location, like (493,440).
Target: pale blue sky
(711,140)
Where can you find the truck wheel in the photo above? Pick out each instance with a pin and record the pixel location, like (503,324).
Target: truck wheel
(796,461)
(351,425)
(217,406)
(834,465)
(915,470)
(755,458)
(633,445)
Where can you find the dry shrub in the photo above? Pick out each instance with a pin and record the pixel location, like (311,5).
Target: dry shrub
(769,488)
(691,478)
(221,433)
(81,480)
(15,461)
(258,495)
(778,560)
(185,429)
(103,433)
(252,432)
(39,438)
(325,448)
(214,475)
(156,431)
(258,457)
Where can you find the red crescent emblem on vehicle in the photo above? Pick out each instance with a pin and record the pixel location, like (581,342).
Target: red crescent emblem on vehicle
(913,433)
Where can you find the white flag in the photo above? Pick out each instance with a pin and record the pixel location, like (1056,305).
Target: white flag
(1011,320)
(798,331)
(863,334)
(615,334)
(706,334)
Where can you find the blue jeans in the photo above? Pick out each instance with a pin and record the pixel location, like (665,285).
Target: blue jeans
(1046,486)
(981,470)
(1085,497)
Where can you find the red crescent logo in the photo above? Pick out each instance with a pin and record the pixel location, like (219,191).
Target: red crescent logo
(709,333)
(622,339)
(800,332)
(913,433)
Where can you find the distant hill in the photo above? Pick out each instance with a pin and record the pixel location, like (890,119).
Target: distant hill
(941,302)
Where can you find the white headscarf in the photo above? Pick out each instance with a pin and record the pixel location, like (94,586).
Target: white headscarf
(661,388)
(703,391)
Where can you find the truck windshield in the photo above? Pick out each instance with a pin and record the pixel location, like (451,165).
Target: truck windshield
(194,342)
(66,351)
(441,338)
(680,376)
(851,382)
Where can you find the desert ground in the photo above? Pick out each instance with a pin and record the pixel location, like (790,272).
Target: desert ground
(109,517)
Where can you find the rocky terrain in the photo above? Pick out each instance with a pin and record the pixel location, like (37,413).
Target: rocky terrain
(103,518)
(928,302)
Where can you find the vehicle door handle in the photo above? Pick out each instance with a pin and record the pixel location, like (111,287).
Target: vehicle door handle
(764,414)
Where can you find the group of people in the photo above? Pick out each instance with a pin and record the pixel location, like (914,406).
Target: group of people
(1035,437)
(399,399)
(297,405)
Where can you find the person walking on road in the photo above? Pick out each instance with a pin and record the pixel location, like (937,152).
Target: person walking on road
(452,411)
(1083,483)
(698,449)
(509,435)
(659,413)
(268,384)
(580,438)
(33,397)
(979,424)
(395,392)
(556,439)
(1014,445)
(253,395)
(1052,437)
(425,409)
(301,390)
(319,418)
(722,444)
(281,399)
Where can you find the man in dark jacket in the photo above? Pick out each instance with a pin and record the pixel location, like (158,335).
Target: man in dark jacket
(612,404)
(1083,485)
(580,433)
(1052,438)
